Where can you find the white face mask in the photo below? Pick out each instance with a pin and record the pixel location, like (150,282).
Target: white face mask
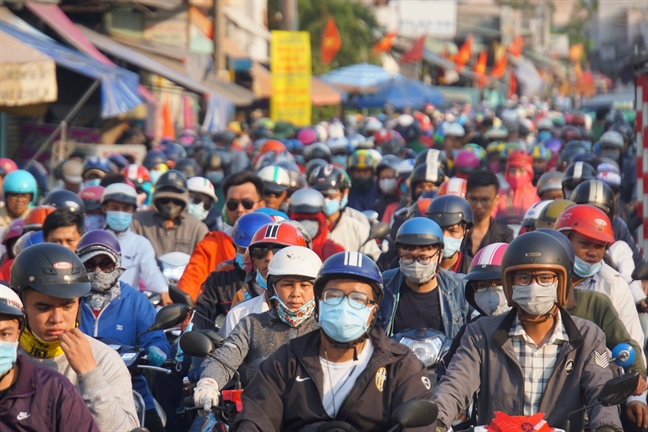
(387,186)
(493,302)
(535,299)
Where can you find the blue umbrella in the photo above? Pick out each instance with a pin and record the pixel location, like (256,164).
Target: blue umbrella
(401,93)
(356,77)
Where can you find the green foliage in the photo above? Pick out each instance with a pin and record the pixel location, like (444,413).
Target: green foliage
(577,27)
(354,21)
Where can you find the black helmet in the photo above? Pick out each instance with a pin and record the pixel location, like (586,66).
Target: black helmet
(587,157)
(215,160)
(64,199)
(312,164)
(431,156)
(448,210)
(172,179)
(596,193)
(576,174)
(566,155)
(625,130)
(422,174)
(327,179)
(154,158)
(537,251)
(50,269)
(317,151)
(188,167)
(411,132)
(388,161)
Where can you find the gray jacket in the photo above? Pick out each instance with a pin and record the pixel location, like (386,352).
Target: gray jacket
(487,361)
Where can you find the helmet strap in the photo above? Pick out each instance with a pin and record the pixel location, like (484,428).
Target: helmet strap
(542,318)
(349,345)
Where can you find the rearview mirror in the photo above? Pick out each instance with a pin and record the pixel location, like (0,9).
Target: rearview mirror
(169,316)
(415,413)
(196,344)
(641,272)
(179,296)
(379,230)
(617,390)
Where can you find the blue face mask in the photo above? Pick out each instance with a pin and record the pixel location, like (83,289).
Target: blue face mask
(451,246)
(343,323)
(344,202)
(94,222)
(585,269)
(155,175)
(240,257)
(93,182)
(8,354)
(331,206)
(340,160)
(403,188)
(118,221)
(263,283)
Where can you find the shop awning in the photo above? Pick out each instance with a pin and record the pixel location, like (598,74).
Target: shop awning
(118,86)
(167,67)
(27,76)
(54,17)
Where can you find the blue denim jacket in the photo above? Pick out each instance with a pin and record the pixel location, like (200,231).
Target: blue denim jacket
(455,310)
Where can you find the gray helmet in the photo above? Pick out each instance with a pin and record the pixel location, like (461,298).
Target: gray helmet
(306,201)
(550,181)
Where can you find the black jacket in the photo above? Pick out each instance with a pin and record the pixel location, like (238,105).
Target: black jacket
(281,397)
(497,233)
(217,294)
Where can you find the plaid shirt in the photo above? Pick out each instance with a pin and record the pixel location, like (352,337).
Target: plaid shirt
(537,363)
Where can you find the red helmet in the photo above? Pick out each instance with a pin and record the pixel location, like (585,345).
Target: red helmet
(14,230)
(588,221)
(7,166)
(36,217)
(280,233)
(137,174)
(91,197)
(454,186)
(272,145)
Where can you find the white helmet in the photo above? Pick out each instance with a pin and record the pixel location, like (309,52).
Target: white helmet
(322,131)
(372,125)
(120,192)
(294,261)
(336,130)
(202,185)
(531,215)
(453,129)
(612,138)
(275,179)
(545,123)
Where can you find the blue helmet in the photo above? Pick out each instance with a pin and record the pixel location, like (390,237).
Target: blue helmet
(273,213)
(20,182)
(119,161)
(247,225)
(174,152)
(29,239)
(420,231)
(98,163)
(350,265)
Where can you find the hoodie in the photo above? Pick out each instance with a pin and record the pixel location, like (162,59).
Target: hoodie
(322,245)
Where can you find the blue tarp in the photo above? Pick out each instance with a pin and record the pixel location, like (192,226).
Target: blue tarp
(119,87)
(401,93)
(358,76)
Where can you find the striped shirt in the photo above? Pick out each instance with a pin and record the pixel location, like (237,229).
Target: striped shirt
(537,363)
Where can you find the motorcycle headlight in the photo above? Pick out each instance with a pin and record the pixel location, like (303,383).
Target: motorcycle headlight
(427,350)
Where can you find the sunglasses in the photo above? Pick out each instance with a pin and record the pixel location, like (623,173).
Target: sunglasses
(262,252)
(165,201)
(105,265)
(207,203)
(247,204)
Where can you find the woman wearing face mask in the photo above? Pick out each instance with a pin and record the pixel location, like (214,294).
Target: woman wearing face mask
(347,371)
(201,199)
(590,232)
(94,217)
(291,274)
(114,310)
(521,193)
(454,216)
(94,169)
(387,183)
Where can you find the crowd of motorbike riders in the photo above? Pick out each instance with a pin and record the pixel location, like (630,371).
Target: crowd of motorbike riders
(510,232)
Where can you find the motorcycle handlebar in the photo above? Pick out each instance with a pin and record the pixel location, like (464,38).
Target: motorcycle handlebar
(155,368)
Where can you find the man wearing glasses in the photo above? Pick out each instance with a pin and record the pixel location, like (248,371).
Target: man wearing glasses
(482,195)
(535,358)
(420,294)
(347,371)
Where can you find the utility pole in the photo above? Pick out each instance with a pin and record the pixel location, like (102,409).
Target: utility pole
(289,12)
(218,35)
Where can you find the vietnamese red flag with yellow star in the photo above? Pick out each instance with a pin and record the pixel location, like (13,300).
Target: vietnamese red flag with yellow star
(384,44)
(331,42)
(480,68)
(464,54)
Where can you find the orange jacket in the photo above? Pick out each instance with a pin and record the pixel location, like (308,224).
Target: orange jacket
(215,248)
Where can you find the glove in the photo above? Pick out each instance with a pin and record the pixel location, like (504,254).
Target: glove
(155,356)
(206,394)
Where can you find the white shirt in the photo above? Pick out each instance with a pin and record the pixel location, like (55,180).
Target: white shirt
(138,258)
(339,378)
(351,234)
(254,305)
(621,255)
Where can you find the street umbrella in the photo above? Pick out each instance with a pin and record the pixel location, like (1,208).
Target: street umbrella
(401,93)
(358,77)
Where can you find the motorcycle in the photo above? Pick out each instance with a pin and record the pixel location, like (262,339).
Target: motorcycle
(379,231)
(429,346)
(172,265)
(135,358)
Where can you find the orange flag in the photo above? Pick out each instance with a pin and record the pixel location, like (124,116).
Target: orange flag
(331,42)
(512,85)
(515,48)
(416,53)
(384,44)
(500,67)
(576,52)
(480,68)
(167,121)
(465,53)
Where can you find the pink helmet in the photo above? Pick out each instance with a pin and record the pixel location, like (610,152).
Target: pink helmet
(91,197)
(307,136)
(7,166)
(466,161)
(485,266)
(13,231)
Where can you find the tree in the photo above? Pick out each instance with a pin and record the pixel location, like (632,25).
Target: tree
(354,21)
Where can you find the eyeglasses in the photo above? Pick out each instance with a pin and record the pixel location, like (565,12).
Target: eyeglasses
(262,252)
(207,203)
(425,260)
(482,201)
(483,286)
(106,265)
(357,300)
(247,204)
(165,201)
(545,279)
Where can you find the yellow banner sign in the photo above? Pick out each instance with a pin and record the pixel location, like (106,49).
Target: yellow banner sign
(290,64)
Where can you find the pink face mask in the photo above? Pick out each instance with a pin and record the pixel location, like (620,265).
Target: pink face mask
(518,181)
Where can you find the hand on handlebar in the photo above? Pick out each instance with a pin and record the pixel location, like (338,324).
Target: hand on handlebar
(206,395)
(155,356)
